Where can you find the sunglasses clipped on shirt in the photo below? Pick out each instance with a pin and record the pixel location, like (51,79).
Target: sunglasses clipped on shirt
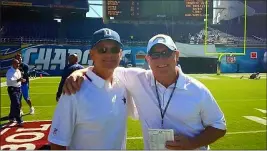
(113,50)
(163,54)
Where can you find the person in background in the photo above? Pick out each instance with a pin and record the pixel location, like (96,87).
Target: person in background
(71,67)
(33,72)
(25,86)
(14,79)
(253,76)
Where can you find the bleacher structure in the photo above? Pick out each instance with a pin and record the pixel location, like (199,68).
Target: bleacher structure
(65,22)
(38,24)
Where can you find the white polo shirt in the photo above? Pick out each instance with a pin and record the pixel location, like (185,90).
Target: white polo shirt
(93,118)
(191,109)
(12,76)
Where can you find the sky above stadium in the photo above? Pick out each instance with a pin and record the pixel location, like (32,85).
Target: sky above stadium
(98,9)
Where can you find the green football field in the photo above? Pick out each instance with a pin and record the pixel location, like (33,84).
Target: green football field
(243,102)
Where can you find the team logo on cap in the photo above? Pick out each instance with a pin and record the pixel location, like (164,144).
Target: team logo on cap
(160,39)
(124,100)
(107,32)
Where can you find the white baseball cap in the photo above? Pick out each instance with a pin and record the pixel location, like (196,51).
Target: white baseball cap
(161,39)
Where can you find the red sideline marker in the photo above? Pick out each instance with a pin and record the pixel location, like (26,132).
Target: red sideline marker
(32,136)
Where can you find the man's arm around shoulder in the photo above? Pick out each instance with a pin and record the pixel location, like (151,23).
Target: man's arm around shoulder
(213,120)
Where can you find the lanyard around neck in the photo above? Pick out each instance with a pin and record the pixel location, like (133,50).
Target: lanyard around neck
(163,112)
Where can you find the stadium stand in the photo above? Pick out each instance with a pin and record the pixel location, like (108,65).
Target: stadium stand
(40,28)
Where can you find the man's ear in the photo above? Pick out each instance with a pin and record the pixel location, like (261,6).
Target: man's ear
(177,54)
(147,58)
(91,54)
(121,54)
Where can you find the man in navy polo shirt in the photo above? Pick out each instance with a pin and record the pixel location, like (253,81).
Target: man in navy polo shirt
(72,66)
(96,116)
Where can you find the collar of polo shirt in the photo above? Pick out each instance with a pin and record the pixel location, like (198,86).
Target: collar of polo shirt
(98,81)
(12,68)
(181,81)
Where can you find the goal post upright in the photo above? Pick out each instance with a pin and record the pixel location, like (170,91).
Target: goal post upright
(221,54)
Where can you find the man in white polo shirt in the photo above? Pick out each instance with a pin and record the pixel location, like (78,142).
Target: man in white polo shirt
(95,117)
(13,81)
(166,98)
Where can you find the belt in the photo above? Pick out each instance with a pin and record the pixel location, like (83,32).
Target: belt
(11,87)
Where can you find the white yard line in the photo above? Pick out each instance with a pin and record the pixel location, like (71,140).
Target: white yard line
(229,133)
(246,132)
(56,77)
(3,84)
(133,138)
(35,94)
(46,82)
(261,110)
(5,107)
(256,119)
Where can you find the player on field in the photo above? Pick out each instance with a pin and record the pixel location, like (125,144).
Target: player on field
(24,69)
(255,76)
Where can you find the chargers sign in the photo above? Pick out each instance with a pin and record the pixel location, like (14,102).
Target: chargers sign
(50,59)
(53,58)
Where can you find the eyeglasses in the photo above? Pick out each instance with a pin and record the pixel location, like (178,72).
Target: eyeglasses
(113,50)
(163,54)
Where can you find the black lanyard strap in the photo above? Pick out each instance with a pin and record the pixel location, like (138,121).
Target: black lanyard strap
(162,113)
(88,78)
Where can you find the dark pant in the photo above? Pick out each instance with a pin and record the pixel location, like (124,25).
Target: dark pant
(14,95)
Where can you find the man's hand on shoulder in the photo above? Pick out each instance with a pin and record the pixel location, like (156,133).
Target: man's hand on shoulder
(74,81)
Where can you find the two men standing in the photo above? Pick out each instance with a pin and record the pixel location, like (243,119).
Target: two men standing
(25,85)
(165,98)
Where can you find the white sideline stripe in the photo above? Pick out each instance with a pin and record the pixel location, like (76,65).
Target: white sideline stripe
(256,119)
(261,110)
(3,84)
(229,133)
(38,121)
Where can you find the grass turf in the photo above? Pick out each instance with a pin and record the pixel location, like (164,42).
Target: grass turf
(236,97)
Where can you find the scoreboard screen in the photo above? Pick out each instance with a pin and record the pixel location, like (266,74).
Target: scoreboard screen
(156,9)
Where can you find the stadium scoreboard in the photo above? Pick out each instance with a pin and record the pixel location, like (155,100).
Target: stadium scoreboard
(156,9)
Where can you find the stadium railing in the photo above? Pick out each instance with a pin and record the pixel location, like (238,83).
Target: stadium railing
(223,40)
